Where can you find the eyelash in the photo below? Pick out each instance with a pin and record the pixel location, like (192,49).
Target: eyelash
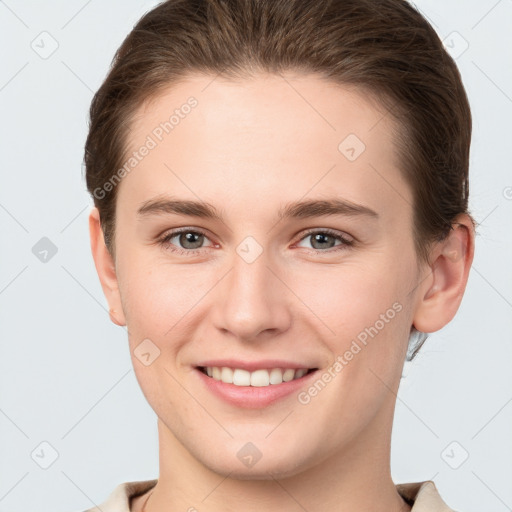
(165,240)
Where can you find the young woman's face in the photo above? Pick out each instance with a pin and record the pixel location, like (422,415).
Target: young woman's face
(305,261)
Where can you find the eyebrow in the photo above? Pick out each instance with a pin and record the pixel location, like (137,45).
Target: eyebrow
(298,210)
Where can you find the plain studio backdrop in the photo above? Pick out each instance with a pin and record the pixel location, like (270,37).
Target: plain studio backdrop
(73,421)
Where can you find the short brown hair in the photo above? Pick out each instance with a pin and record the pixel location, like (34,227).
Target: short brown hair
(383,47)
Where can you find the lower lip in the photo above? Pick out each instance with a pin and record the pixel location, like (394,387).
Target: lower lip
(253,397)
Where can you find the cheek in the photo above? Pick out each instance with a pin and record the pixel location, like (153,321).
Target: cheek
(165,395)
(368,317)
(156,296)
(349,298)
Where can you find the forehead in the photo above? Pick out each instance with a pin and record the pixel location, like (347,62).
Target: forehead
(269,102)
(267,136)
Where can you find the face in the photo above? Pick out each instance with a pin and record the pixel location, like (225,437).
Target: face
(294,276)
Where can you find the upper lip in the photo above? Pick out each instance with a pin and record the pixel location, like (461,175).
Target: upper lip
(251,366)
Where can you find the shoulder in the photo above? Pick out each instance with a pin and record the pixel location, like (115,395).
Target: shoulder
(424,495)
(119,499)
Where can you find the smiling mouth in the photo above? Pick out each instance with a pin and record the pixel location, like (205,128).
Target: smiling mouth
(257,378)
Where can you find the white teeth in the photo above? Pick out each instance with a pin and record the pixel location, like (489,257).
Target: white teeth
(276,376)
(241,378)
(258,378)
(226,375)
(288,374)
(300,373)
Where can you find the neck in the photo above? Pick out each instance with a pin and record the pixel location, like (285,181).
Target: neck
(357,479)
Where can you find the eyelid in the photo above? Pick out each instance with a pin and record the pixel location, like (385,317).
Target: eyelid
(164,239)
(346,240)
(329,231)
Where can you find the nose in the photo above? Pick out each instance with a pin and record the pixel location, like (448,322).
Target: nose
(252,301)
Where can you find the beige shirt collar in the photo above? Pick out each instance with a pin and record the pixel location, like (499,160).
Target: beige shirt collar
(424,494)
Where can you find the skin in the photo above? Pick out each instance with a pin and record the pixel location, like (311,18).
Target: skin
(248,148)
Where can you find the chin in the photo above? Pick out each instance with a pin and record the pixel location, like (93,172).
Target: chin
(266,468)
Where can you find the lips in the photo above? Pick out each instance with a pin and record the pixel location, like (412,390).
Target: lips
(254,384)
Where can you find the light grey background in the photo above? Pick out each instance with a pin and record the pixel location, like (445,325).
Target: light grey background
(68,391)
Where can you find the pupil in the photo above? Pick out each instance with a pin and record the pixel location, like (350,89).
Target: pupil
(189,238)
(321,237)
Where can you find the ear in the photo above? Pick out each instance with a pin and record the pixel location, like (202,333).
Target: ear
(441,291)
(105,268)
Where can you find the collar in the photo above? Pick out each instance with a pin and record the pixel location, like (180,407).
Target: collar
(423,496)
